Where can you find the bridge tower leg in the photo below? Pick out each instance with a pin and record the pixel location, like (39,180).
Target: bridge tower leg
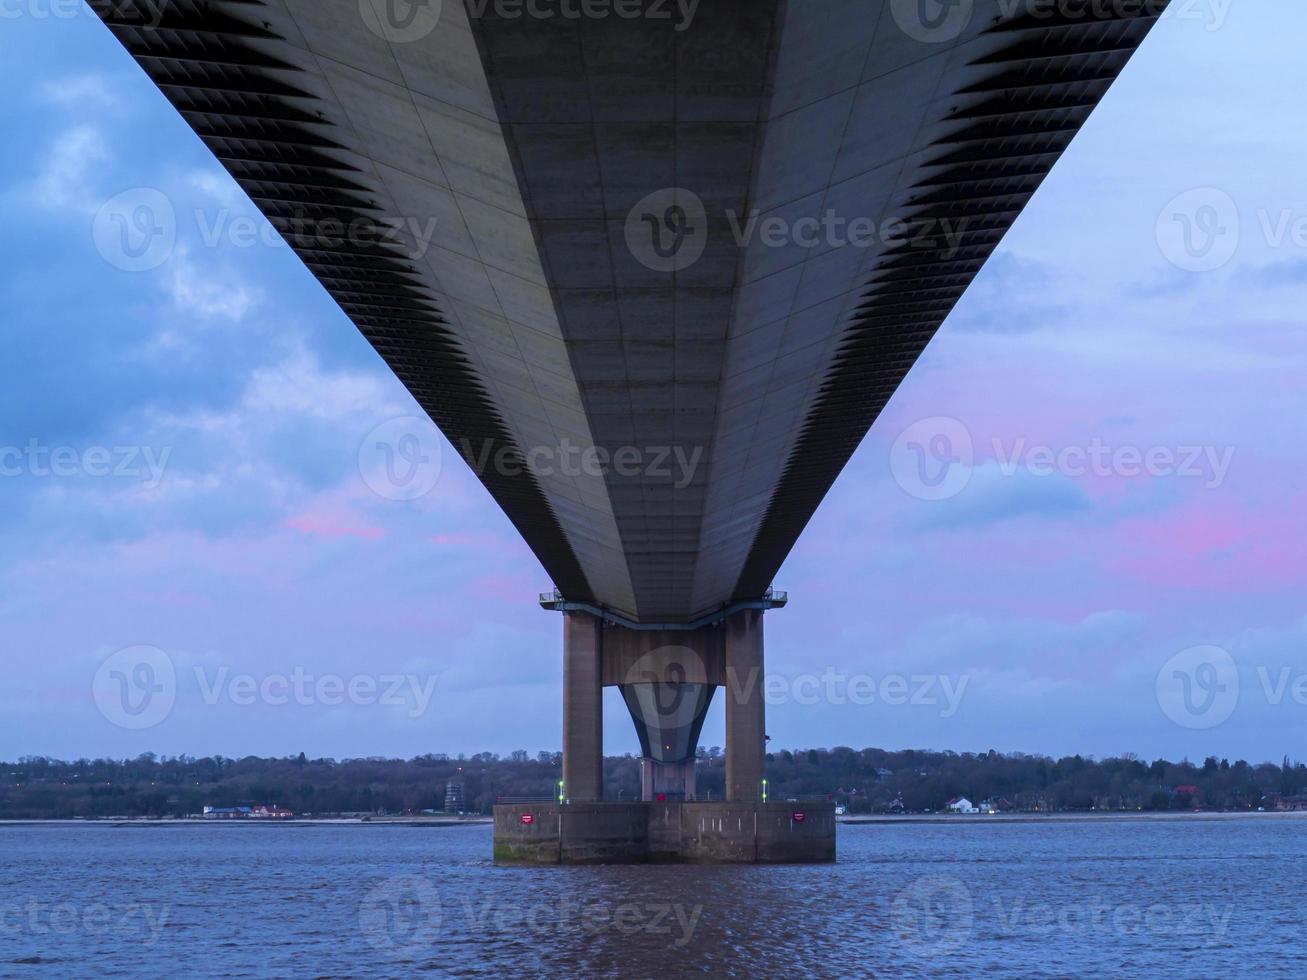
(746,724)
(583,708)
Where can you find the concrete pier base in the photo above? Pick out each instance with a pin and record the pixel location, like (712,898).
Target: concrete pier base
(665,833)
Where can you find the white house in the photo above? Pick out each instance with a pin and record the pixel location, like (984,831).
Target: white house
(961,805)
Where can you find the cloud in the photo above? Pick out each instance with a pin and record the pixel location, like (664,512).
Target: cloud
(993,496)
(89,91)
(1013,295)
(65,175)
(281,453)
(1166,284)
(1039,648)
(219,185)
(333,524)
(1285,273)
(207,294)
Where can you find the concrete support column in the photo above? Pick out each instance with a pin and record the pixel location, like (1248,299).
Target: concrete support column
(583,708)
(746,725)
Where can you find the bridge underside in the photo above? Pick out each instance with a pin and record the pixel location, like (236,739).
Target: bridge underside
(575,256)
(654,272)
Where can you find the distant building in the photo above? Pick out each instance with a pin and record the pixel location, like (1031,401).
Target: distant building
(226,812)
(273,812)
(961,804)
(454,802)
(259,812)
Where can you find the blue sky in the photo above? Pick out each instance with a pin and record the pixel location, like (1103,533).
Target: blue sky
(1049,602)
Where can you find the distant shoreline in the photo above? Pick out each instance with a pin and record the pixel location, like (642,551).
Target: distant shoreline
(296,822)
(972,819)
(937,819)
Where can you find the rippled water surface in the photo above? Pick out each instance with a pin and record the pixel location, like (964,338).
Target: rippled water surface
(1186,897)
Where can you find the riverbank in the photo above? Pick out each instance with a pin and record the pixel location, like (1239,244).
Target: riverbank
(970,819)
(942,819)
(428,821)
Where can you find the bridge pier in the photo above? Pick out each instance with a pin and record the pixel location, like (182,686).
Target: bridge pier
(668,676)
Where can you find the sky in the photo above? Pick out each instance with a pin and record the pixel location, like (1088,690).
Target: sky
(1078,526)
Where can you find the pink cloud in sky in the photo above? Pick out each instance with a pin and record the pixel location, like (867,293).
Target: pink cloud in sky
(1217,546)
(333,523)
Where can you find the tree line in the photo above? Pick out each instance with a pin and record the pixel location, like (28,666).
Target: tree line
(864,781)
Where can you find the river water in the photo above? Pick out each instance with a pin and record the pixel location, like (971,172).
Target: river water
(1181,897)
